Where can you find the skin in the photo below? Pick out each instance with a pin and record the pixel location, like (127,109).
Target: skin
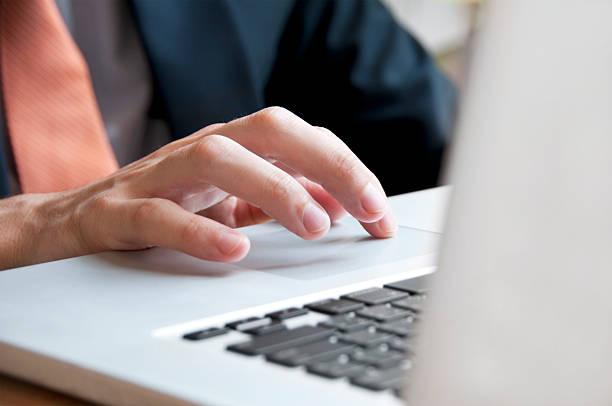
(191,194)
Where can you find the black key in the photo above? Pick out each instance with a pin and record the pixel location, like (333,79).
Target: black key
(287,313)
(401,344)
(380,356)
(374,296)
(206,333)
(270,328)
(414,286)
(280,340)
(413,303)
(402,327)
(335,306)
(249,324)
(381,379)
(366,338)
(233,324)
(383,313)
(339,367)
(318,350)
(347,322)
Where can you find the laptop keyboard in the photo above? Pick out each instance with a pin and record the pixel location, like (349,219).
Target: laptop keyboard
(366,336)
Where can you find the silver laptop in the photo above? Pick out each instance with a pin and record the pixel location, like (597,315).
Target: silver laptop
(517,314)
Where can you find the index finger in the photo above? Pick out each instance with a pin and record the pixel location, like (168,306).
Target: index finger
(276,133)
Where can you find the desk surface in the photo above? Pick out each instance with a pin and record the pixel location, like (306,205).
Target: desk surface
(431,204)
(14,392)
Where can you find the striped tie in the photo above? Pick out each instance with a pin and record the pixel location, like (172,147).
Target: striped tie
(55,127)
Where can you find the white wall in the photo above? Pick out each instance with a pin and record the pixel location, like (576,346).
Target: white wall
(441,25)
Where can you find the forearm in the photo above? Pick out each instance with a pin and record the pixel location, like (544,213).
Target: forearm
(37,228)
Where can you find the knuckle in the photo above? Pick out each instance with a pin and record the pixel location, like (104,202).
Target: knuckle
(210,127)
(273,117)
(209,145)
(209,148)
(326,132)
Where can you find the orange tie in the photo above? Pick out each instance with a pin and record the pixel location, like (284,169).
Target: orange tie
(55,127)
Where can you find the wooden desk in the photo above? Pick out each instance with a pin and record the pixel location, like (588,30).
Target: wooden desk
(15,392)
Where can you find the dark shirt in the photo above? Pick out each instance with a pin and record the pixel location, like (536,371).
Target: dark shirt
(342,64)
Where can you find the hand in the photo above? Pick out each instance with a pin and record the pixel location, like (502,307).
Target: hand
(190,194)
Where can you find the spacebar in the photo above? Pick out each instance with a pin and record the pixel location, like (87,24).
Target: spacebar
(280,340)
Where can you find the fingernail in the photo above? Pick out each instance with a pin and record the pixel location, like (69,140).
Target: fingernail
(229,241)
(372,200)
(388,224)
(314,219)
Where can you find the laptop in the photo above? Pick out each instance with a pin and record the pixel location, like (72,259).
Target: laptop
(517,313)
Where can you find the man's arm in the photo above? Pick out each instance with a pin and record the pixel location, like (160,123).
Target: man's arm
(32,231)
(189,194)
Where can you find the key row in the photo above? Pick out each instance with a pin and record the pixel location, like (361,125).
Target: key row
(396,301)
(366,338)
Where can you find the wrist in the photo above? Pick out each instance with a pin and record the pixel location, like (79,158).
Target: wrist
(38,228)
(56,227)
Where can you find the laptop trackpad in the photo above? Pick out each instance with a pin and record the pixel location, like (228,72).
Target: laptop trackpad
(345,248)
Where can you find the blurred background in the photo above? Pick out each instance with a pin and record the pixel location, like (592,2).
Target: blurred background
(443,27)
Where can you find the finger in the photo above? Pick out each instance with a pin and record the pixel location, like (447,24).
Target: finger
(386,227)
(331,205)
(219,161)
(287,169)
(276,133)
(334,210)
(235,213)
(163,223)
